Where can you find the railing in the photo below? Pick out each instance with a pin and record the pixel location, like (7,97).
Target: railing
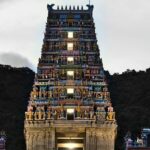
(84,24)
(66,100)
(65,82)
(41,115)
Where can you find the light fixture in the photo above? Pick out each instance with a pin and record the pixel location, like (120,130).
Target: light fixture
(69,46)
(70,73)
(70,35)
(70,145)
(70,59)
(70,111)
(70,91)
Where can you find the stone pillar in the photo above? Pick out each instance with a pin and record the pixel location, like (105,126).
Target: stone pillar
(40,139)
(95,141)
(34,141)
(87,140)
(112,141)
(53,138)
(99,141)
(39,143)
(107,141)
(102,140)
(90,141)
(47,140)
(29,141)
(50,145)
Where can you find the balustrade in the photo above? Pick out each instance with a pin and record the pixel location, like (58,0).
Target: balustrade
(78,115)
(67,23)
(29,115)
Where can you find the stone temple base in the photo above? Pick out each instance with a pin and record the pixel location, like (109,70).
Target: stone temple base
(60,134)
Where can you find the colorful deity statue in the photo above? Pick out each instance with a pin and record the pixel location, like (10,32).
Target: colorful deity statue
(110,116)
(78,112)
(30,108)
(29,115)
(91,114)
(55,115)
(49,114)
(49,94)
(86,114)
(61,112)
(34,92)
(110,112)
(39,114)
(110,108)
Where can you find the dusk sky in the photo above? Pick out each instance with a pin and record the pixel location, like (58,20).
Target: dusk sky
(122,27)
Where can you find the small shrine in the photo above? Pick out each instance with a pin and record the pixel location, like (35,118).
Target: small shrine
(2,140)
(140,143)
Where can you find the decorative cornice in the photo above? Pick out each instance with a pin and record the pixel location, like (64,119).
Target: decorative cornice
(65,8)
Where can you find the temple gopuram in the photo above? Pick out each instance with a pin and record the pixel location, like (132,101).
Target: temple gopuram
(70,105)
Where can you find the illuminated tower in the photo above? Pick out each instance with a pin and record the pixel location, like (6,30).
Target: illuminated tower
(70,106)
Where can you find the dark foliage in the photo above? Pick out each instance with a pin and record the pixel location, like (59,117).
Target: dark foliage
(130,93)
(15,87)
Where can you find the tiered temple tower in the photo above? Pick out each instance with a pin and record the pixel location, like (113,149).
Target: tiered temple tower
(70,105)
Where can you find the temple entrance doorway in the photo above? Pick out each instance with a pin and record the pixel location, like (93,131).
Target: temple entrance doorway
(64,143)
(70,146)
(70,149)
(69,138)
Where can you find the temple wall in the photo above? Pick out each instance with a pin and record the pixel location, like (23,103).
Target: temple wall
(96,138)
(100,139)
(39,139)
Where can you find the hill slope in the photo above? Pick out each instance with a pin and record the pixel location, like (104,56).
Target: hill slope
(15,87)
(130,93)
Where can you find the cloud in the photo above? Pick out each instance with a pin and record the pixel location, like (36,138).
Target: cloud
(6,1)
(2,1)
(15,60)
